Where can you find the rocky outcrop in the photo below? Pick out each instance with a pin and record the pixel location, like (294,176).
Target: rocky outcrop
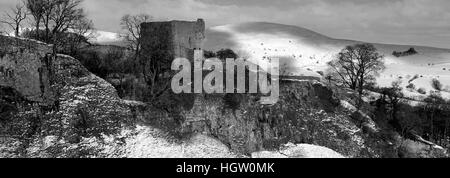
(63,103)
(24,67)
(87,105)
(51,103)
(306,113)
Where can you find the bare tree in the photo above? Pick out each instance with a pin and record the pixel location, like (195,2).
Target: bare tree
(56,16)
(49,8)
(60,22)
(356,66)
(66,15)
(79,34)
(132,25)
(434,103)
(36,8)
(15,17)
(392,96)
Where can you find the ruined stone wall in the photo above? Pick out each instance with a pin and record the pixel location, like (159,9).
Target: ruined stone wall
(23,67)
(156,36)
(187,37)
(173,38)
(163,42)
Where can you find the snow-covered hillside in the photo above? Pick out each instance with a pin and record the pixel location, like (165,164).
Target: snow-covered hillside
(304,52)
(105,38)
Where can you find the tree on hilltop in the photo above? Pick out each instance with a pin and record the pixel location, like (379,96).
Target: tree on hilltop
(356,66)
(59,22)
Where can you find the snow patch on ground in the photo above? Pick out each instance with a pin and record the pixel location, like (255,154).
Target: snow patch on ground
(148,142)
(299,151)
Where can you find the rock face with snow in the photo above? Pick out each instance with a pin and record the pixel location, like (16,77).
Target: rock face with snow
(23,67)
(82,104)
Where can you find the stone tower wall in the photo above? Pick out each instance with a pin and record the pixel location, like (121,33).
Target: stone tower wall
(173,38)
(187,36)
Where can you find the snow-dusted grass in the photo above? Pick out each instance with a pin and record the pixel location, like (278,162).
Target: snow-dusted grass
(405,71)
(300,57)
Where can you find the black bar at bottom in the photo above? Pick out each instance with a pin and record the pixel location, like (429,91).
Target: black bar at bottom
(217,167)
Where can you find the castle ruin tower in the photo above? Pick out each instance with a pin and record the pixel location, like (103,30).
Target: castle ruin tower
(175,39)
(161,44)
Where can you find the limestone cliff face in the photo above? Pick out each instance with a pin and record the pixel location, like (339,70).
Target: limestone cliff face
(24,67)
(52,97)
(307,112)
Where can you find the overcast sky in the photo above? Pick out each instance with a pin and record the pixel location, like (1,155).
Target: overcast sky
(421,22)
